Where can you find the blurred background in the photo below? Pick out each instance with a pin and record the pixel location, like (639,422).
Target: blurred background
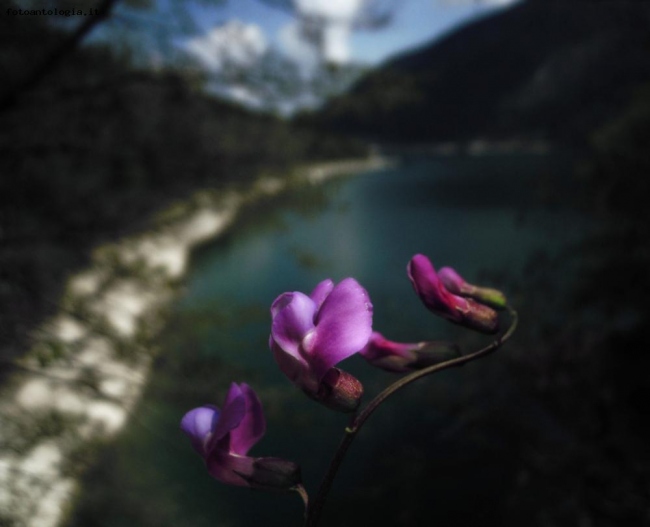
(518,134)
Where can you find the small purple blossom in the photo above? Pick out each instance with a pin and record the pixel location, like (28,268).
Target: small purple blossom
(405,357)
(223,437)
(310,334)
(439,300)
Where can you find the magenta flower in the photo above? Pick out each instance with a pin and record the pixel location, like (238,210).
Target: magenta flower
(224,437)
(454,283)
(439,300)
(404,357)
(310,334)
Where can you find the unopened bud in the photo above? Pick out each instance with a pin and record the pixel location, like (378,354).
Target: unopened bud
(339,391)
(439,300)
(404,357)
(477,316)
(272,473)
(434,352)
(454,283)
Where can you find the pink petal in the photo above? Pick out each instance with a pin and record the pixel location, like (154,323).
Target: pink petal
(343,327)
(379,347)
(321,292)
(452,281)
(428,287)
(293,318)
(198,424)
(232,413)
(297,370)
(252,426)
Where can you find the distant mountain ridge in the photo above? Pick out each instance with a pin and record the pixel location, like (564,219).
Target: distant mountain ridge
(539,70)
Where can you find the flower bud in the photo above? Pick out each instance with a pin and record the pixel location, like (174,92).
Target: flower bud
(404,357)
(454,283)
(477,316)
(435,296)
(339,391)
(272,473)
(434,352)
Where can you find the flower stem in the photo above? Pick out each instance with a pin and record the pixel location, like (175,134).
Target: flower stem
(314,511)
(302,492)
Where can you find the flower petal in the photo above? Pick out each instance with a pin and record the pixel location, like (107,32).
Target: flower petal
(198,424)
(321,292)
(379,347)
(429,288)
(232,413)
(390,355)
(293,318)
(252,426)
(296,370)
(343,327)
(453,282)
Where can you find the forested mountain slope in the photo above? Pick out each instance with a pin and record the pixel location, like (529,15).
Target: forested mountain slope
(539,70)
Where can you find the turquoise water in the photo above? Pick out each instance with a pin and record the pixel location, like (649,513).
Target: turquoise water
(479,215)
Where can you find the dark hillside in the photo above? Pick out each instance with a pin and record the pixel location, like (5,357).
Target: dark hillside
(538,70)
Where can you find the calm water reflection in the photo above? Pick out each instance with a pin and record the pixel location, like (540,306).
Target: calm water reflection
(479,215)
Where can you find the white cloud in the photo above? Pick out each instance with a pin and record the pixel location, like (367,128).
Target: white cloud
(231,44)
(488,3)
(307,44)
(297,49)
(325,26)
(243,66)
(335,10)
(336,42)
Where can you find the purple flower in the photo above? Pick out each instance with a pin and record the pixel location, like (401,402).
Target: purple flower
(404,357)
(439,300)
(310,334)
(224,437)
(454,283)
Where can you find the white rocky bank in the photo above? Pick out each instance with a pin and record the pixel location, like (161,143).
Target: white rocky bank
(90,362)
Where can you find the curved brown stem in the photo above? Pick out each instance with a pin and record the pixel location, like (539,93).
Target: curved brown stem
(314,511)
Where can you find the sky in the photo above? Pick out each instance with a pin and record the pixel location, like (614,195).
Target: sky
(235,39)
(414,22)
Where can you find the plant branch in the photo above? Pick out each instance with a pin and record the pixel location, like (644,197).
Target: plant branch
(102,12)
(351,431)
(302,492)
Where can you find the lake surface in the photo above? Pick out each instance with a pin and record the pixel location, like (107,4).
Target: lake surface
(418,459)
